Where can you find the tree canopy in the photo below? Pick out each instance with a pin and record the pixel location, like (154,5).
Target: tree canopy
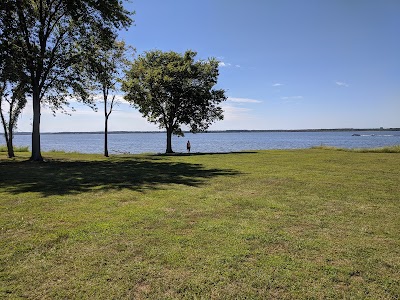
(104,67)
(13,85)
(172,89)
(50,35)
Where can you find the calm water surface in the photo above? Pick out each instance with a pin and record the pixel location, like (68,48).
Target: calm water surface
(209,142)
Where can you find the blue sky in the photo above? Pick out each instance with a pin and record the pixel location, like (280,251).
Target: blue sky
(284,64)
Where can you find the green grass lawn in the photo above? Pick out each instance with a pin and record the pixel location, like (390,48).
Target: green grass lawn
(285,224)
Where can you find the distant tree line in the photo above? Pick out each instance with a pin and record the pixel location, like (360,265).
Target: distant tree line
(53,51)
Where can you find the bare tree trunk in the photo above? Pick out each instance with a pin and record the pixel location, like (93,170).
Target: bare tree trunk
(11,125)
(169,141)
(7,135)
(106,136)
(106,115)
(10,147)
(36,153)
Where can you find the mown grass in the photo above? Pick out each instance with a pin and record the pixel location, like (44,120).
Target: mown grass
(3,148)
(287,224)
(387,149)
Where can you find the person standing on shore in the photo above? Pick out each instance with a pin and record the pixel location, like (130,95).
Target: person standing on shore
(188,146)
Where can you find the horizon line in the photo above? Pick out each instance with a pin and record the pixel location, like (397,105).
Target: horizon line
(214,131)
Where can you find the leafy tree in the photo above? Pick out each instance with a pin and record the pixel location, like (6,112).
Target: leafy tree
(104,69)
(12,102)
(171,89)
(49,34)
(13,88)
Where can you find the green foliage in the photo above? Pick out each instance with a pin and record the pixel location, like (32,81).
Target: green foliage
(171,89)
(285,224)
(13,84)
(51,35)
(104,67)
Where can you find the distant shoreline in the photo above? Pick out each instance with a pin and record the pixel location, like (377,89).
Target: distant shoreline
(223,131)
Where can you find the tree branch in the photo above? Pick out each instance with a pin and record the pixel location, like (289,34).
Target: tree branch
(112,106)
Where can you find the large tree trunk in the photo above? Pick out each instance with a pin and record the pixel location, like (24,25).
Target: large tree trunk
(106,136)
(169,141)
(36,154)
(10,147)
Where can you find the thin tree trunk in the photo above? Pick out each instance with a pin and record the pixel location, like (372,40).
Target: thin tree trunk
(169,141)
(106,136)
(36,153)
(10,151)
(106,115)
(11,125)
(7,141)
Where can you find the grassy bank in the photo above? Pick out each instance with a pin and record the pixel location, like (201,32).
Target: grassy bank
(301,224)
(3,148)
(387,149)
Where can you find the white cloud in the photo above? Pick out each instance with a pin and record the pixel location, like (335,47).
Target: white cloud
(224,64)
(84,118)
(227,65)
(292,98)
(243,100)
(339,83)
(277,84)
(235,113)
(234,109)
(99,98)
(238,113)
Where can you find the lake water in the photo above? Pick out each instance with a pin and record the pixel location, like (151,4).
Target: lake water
(209,142)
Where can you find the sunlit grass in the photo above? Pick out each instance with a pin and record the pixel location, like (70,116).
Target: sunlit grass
(294,224)
(3,148)
(387,149)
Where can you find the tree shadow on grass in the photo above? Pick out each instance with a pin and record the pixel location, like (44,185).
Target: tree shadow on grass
(59,177)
